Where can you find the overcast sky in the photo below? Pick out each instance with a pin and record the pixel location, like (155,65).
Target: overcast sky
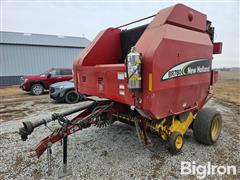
(75,18)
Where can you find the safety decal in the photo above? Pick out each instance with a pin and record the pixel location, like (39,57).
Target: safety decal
(188,68)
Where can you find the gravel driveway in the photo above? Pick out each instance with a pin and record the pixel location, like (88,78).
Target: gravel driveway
(108,153)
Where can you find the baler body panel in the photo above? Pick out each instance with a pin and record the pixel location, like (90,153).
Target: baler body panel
(106,81)
(105,49)
(176,37)
(176,45)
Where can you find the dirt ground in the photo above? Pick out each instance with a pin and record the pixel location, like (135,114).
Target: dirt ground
(113,152)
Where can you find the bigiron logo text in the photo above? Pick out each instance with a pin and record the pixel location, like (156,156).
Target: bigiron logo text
(201,171)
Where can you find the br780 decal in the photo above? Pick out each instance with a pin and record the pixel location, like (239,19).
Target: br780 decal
(188,68)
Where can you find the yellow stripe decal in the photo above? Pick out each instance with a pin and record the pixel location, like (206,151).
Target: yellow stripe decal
(150,81)
(78,77)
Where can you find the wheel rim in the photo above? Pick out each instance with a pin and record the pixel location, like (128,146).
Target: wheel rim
(215,128)
(72,97)
(37,90)
(179,142)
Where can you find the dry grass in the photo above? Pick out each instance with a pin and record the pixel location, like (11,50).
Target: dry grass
(11,91)
(228,87)
(16,94)
(229,75)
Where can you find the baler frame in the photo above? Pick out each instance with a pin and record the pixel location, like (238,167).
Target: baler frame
(87,115)
(101,112)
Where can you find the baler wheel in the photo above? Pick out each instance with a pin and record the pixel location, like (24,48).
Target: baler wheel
(176,142)
(207,126)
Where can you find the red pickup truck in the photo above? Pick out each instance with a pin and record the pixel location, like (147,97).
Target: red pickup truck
(37,83)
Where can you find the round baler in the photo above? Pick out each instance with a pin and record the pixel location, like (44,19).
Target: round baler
(159,75)
(156,77)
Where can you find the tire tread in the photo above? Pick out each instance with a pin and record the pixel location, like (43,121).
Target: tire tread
(202,125)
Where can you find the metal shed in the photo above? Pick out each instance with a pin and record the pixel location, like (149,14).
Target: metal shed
(24,53)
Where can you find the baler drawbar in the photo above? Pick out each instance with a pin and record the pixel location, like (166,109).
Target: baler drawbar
(88,114)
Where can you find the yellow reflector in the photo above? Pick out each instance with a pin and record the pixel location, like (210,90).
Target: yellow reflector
(78,77)
(150,81)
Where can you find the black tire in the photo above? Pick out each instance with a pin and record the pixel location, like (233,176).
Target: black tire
(72,97)
(205,129)
(176,142)
(37,89)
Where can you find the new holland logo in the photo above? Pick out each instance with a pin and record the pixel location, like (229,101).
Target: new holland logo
(187,68)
